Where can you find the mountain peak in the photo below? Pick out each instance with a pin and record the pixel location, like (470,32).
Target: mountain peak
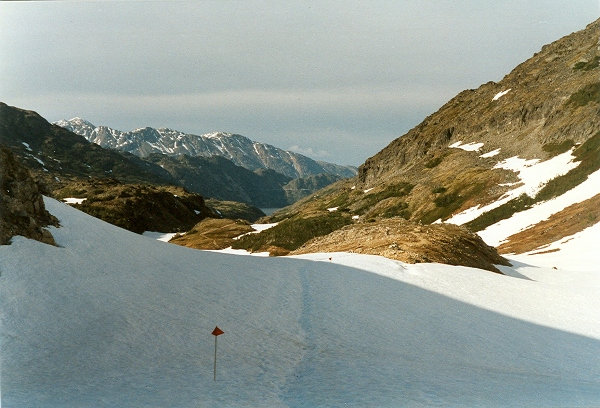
(217,135)
(79,122)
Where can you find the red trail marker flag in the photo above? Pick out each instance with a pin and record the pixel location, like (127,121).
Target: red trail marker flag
(216,332)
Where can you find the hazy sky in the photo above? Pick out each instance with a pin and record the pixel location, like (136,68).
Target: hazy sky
(335,80)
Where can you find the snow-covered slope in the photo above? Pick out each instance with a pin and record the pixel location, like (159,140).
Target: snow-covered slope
(237,148)
(533,175)
(115,319)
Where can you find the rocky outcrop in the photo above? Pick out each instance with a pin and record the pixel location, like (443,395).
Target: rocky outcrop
(399,239)
(22,210)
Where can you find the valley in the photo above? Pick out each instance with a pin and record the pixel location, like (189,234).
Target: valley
(455,267)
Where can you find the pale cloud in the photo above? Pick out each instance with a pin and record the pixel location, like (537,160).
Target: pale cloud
(310,152)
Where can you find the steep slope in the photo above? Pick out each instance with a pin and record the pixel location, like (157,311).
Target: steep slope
(500,150)
(111,318)
(544,106)
(220,178)
(237,148)
(53,152)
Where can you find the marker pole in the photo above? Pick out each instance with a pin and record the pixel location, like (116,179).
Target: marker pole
(215,365)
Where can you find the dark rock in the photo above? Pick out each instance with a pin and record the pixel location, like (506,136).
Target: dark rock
(22,210)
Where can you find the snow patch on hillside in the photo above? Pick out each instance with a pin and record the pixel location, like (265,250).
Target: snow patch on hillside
(533,175)
(159,236)
(73,200)
(500,94)
(495,234)
(580,249)
(469,147)
(491,154)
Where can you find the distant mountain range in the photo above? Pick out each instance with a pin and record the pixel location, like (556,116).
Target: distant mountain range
(57,155)
(239,149)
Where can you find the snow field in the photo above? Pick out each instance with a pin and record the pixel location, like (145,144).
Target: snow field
(160,236)
(73,200)
(111,318)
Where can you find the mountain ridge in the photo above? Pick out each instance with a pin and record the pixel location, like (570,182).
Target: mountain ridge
(57,155)
(237,148)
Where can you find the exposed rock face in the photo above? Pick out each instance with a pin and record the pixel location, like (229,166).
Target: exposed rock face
(396,238)
(22,210)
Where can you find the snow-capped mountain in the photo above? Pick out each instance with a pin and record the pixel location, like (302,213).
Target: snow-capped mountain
(237,148)
(58,155)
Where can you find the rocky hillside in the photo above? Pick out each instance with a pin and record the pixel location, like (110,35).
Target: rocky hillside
(450,162)
(237,148)
(545,106)
(22,210)
(220,178)
(137,207)
(55,154)
(234,210)
(301,187)
(529,144)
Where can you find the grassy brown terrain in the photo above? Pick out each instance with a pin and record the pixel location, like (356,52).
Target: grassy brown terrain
(569,221)
(234,210)
(212,233)
(405,241)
